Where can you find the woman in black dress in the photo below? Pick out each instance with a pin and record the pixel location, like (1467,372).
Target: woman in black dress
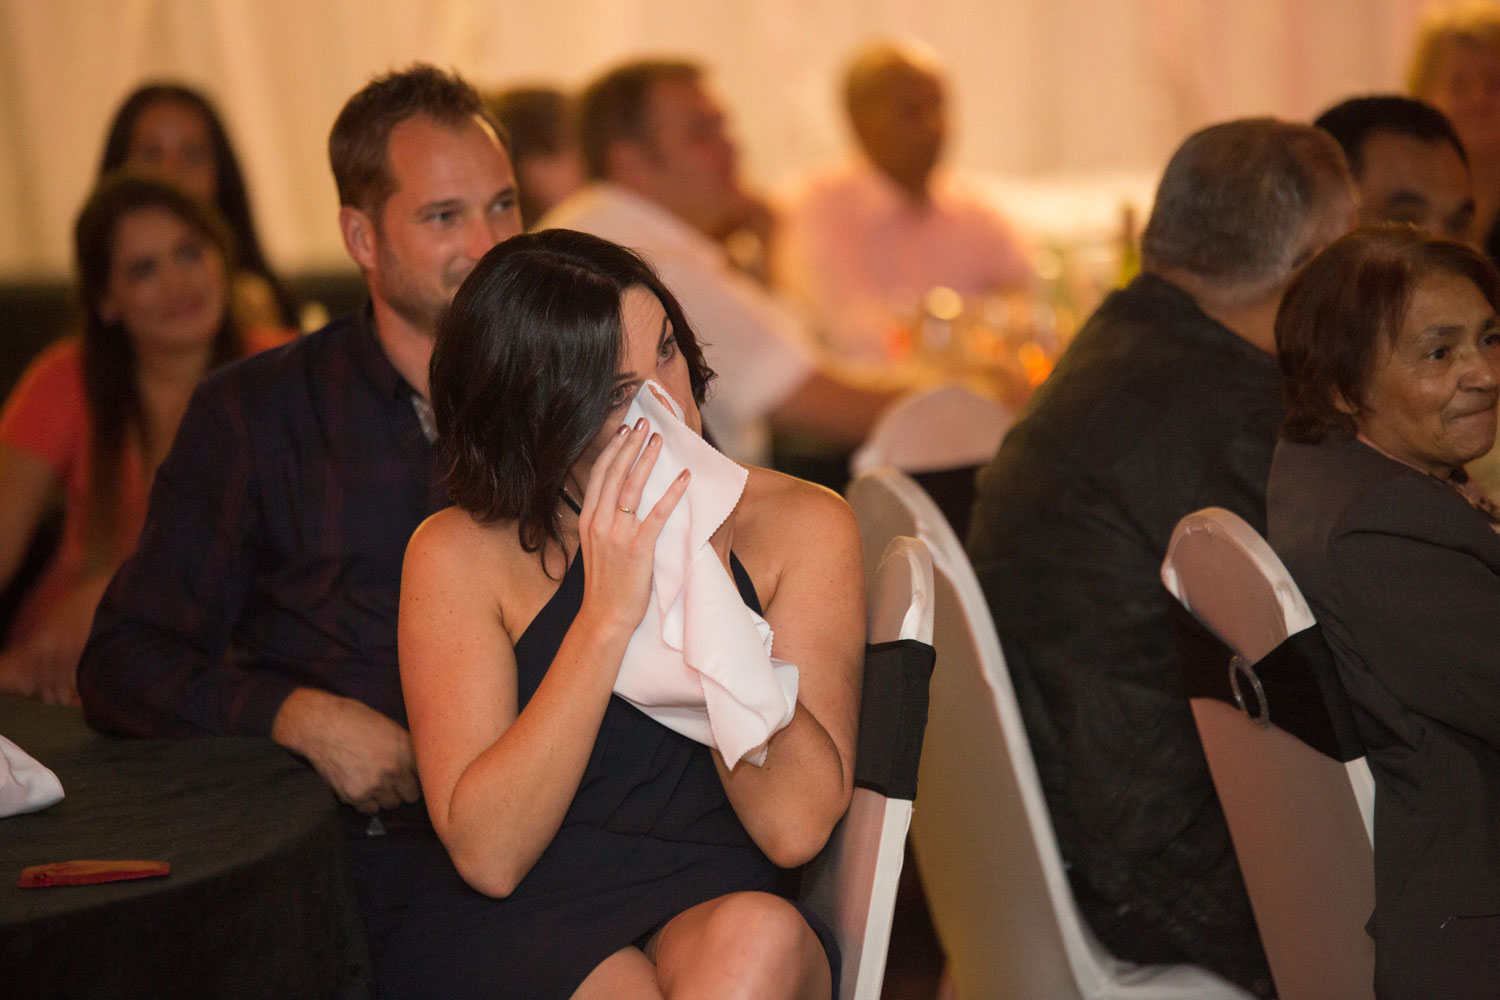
(593,851)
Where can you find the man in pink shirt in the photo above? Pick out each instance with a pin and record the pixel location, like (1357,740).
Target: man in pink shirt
(862,244)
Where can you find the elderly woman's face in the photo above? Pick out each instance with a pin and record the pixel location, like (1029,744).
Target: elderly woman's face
(1430,401)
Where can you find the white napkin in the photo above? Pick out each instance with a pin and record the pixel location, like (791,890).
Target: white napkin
(25,785)
(700,661)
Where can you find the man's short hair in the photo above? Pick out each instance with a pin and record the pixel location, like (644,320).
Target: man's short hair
(1236,200)
(538,120)
(614,106)
(358,144)
(1471,22)
(1353,122)
(872,67)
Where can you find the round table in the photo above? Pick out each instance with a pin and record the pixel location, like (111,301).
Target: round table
(259,901)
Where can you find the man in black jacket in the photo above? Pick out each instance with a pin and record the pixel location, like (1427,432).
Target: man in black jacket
(1168,401)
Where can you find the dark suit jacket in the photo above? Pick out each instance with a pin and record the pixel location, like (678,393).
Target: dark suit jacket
(1404,577)
(1155,411)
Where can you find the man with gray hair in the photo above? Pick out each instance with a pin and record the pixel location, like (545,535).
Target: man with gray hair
(1167,401)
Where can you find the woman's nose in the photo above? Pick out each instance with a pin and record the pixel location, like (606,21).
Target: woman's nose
(1482,371)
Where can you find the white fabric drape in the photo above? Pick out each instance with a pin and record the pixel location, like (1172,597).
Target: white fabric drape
(1042,86)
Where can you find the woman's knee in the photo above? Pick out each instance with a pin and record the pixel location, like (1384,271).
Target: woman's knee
(763,942)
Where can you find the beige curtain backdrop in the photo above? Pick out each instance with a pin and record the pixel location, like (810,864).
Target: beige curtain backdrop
(1044,88)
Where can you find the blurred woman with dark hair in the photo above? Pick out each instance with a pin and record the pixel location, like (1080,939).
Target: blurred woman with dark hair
(172,131)
(93,416)
(1389,347)
(595,850)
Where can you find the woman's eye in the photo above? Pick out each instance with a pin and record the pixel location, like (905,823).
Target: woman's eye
(668,348)
(1437,354)
(618,397)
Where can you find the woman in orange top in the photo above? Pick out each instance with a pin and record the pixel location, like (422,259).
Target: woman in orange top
(94,415)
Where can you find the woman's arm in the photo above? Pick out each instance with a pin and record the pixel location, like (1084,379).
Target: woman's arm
(27,484)
(817,610)
(45,667)
(497,782)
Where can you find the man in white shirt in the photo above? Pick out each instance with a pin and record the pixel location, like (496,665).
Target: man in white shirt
(862,244)
(666,183)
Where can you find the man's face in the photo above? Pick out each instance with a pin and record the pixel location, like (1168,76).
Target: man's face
(1406,179)
(455,198)
(904,125)
(692,163)
(1465,86)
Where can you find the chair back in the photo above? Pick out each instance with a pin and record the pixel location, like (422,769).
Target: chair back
(948,427)
(1300,829)
(982,835)
(852,882)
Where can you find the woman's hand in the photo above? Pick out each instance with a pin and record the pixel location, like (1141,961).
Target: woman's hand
(45,665)
(618,546)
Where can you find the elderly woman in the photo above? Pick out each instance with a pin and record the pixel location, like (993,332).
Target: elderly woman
(595,852)
(1390,359)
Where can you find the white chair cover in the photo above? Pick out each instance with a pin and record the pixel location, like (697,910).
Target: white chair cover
(1300,821)
(983,837)
(852,882)
(948,427)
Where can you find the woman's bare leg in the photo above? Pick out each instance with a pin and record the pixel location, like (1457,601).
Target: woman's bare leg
(626,973)
(743,945)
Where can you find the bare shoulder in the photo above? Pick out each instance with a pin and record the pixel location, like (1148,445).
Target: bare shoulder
(790,515)
(453,547)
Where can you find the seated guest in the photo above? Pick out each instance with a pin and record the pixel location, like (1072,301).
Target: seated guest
(1455,67)
(666,183)
(1407,163)
(1166,402)
(862,245)
(544,148)
(173,132)
(1390,360)
(93,416)
(262,598)
(624,858)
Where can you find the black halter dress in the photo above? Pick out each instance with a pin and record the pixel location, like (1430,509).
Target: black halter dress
(649,834)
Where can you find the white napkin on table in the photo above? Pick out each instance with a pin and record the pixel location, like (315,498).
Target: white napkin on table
(25,785)
(700,661)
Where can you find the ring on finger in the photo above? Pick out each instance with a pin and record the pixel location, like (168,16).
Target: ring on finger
(626,510)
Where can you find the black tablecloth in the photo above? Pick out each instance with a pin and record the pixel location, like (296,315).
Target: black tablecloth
(259,902)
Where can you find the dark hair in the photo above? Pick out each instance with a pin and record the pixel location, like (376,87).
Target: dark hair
(1236,200)
(540,122)
(231,196)
(1339,307)
(1353,121)
(357,144)
(523,369)
(108,356)
(614,106)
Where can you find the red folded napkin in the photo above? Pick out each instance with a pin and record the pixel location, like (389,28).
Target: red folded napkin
(89,872)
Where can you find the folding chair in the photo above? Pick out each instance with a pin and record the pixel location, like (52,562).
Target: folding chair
(1285,758)
(984,842)
(852,882)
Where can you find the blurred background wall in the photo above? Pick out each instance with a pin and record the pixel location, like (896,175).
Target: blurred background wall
(1048,92)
